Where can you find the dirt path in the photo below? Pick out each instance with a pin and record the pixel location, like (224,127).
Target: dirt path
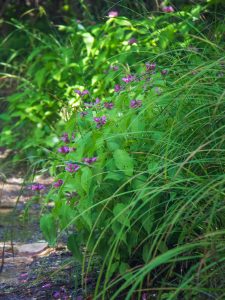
(30,269)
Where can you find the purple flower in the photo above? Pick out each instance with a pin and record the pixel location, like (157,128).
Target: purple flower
(108,105)
(113,14)
(64,149)
(144,296)
(97,101)
(73,136)
(117,88)
(90,160)
(85,92)
(114,68)
(100,121)
(46,286)
(91,104)
(158,91)
(132,41)
(168,9)
(58,183)
(78,92)
(128,79)
(135,103)
(164,72)
(150,67)
(72,168)
(23,276)
(37,187)
(83,114)
(56,295)
(65,138)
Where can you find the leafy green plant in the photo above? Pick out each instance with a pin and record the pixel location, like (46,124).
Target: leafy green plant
(51,66)
(141,183)
(135,107)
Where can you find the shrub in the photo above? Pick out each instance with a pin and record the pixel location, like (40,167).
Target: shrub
(51,66)
(143,184)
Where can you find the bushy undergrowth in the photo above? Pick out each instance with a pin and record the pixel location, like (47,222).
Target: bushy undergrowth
(141,181)
(48,67)
(139,158)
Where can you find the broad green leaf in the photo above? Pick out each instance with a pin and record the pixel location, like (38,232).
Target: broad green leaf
(123,268)
(88,40)
(123,22)
(116,176)
(121,213)
(120,234)
(123,161)
(40,76)
(66,215)
(48,227)
(73,245)
(86,178)
(153,167)
(146,255)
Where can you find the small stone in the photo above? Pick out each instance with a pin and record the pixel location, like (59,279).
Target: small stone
(32,248)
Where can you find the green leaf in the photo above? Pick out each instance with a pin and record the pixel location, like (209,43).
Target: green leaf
(147,222)
(86,217)
(73,245)
(116,176)
(66,215)
(112,269)
(89,41)
(112,145)
(40,77)
(48,227)
(146,255)
(123,161)
(153,167)
(122,22)
(162,247)
(123,268)
(116,228)
(121,213)
(86,178)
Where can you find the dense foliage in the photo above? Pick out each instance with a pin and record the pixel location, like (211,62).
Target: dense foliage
(130,115)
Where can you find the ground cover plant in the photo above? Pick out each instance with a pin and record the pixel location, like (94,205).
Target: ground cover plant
(49,62)
(141,180)
(134,136)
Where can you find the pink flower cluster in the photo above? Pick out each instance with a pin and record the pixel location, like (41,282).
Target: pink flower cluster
(100,121)
(113,14)
(66,149)
(150,66)
(108,105)
(90,160)
(132,41)
(37,187)
(117,88)
(128,78)
(72,168)
(85,92)
(58,183)
(135,103)
(168,9)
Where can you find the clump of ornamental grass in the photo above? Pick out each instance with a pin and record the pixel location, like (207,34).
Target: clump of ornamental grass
(148,187)
(177,195)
